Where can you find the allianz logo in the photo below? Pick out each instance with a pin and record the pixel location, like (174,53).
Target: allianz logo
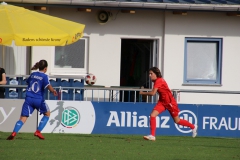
(190,117)
(132,119)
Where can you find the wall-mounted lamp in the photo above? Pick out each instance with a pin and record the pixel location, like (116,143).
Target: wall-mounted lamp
(128,11)
(84,9)
(233,14)
(183,13)
(40,8)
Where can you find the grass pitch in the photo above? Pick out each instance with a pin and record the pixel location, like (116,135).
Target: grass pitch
(116,147)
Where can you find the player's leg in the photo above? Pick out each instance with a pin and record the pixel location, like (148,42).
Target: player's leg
(183,122)
(174,113)
(155,112)
(27,110)
(186,123)
(17,127)
(44,109)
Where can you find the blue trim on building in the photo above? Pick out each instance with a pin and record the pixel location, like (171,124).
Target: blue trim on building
(217,81)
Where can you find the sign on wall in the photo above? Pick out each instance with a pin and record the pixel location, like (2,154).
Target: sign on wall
(10,111)
(85,117)
(133,118)
(70,117)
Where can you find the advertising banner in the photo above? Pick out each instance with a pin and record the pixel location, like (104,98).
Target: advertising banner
(85,117)
(10,110)
(219,121)
(70,117)
(133,118)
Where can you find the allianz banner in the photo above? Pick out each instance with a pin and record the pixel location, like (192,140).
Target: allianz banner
(133,118)
(87,117)
(10,110)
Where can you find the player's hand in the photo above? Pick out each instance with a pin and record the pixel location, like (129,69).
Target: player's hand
(55,93)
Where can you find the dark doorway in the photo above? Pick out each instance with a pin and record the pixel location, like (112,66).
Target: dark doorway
(137,56)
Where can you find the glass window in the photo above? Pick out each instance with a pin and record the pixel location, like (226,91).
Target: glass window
(202,61)
(71,59)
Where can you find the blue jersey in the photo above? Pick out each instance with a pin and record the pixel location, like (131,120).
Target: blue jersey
(37,82)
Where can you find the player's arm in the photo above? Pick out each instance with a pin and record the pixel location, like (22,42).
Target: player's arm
(4,80)
(51,89)
(151,93)
(49,86)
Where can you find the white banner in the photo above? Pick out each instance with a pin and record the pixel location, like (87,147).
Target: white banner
(70,117)
(10,110)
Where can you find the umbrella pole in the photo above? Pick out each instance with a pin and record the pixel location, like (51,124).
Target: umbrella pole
(3,57)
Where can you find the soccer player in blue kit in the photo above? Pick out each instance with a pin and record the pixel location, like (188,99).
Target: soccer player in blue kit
(37,82)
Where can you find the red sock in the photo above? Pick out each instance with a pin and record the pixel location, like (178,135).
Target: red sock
(186,123)
(153,125)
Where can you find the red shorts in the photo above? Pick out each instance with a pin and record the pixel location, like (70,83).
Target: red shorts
(172,109)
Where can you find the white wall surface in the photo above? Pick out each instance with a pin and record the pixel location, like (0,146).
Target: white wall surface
(209,98)
(201,24)
(105,40)
(42,52)
(14,59)
(170,30)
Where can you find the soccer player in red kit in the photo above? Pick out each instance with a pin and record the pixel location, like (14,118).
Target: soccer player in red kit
(166,102)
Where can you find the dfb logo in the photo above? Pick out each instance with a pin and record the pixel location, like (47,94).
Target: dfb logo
(70,117)
(189,116)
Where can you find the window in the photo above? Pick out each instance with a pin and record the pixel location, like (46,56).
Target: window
(71,59)
(202,61)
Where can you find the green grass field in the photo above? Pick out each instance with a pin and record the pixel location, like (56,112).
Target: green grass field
(122,147)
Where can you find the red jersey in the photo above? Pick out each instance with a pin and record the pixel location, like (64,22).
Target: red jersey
(165,94)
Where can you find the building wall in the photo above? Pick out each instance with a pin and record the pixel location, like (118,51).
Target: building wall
(12,57)
(203,24)
(105,40)
(170,30)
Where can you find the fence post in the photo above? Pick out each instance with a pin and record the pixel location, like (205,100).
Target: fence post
(176,93)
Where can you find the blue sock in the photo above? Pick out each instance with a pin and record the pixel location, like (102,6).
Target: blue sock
(18,126)
(43,123)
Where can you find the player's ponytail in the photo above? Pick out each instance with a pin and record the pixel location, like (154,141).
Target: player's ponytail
(156,71)
(35,67)
(40,65)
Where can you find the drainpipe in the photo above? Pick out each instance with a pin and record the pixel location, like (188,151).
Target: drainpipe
(3,56)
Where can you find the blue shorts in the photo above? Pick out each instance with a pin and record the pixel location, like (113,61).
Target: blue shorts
(31,104)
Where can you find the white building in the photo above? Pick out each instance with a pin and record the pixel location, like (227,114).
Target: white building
(195,44)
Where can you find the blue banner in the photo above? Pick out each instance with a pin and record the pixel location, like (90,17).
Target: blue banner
(219,121)
(133,118)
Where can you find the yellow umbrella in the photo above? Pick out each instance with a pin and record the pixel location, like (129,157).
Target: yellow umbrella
(30,28)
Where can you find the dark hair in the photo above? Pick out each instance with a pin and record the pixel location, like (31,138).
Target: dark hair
(156,71)
(40,65)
